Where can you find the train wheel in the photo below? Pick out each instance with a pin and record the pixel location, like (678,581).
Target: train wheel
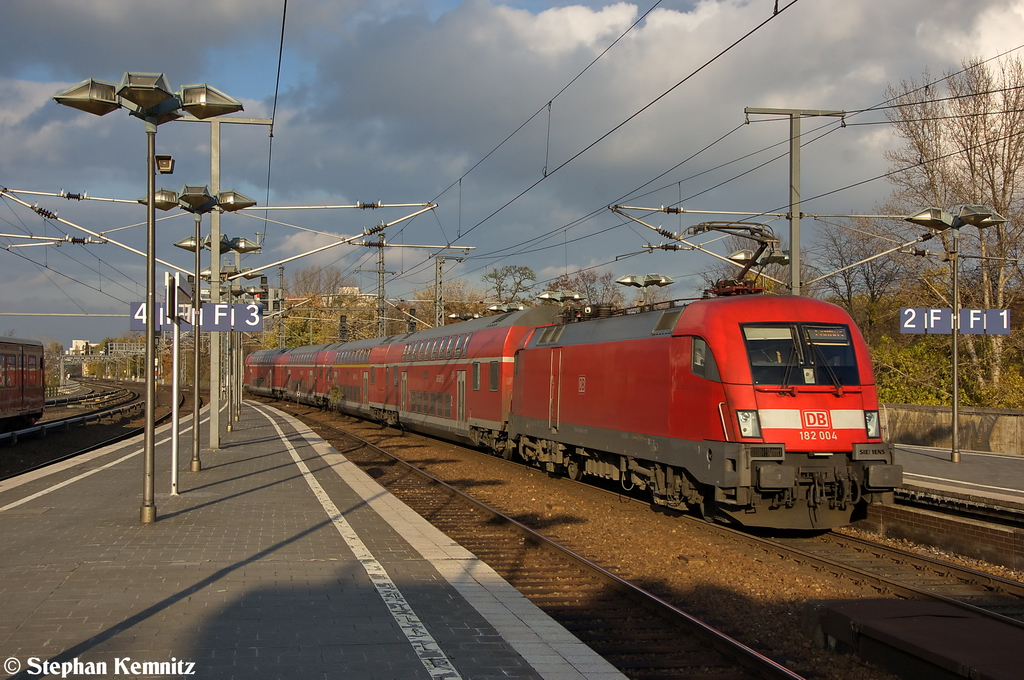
(574,469)
(708,505)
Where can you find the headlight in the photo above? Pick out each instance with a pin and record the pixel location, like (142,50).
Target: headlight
(750,426)
(871,423)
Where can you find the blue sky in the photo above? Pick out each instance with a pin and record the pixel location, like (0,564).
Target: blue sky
(398,101)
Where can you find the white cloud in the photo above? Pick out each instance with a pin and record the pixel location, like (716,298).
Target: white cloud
(396,101)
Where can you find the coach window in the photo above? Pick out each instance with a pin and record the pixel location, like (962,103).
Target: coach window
(702,361)
(458,346)
(476,375)
(448,347)
(494,376)
(433,348)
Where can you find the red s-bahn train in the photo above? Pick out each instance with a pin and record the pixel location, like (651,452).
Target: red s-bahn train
(22,383)
(757,410)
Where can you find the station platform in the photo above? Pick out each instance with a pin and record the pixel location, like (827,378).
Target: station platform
(280,559)
(991,479)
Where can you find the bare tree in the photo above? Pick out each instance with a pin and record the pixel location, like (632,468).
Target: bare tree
(510,284)
(871,290)
(459,297)
(966,145)
(596,289)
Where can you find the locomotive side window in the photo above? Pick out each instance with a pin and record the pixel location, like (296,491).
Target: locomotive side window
(803,354)
(702,361)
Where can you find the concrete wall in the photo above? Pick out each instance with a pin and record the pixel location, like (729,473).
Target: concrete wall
(981,429)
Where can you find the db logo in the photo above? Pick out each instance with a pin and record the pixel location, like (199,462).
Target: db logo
(816,419)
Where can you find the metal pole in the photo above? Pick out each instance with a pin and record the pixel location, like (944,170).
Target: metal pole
(280,312)
(438,292)
(147,513)
(794,204)
(794,181)
(381,306)
(229,383)
(196,464)
(170,280)
(215,336)
(236,339)
(954,261)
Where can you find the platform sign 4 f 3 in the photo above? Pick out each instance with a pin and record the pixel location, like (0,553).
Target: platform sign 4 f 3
(939,321)
(212,317)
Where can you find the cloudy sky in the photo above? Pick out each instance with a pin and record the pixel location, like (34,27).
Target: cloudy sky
(523,121)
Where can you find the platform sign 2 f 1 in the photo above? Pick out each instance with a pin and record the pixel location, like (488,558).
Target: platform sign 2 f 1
(939,321)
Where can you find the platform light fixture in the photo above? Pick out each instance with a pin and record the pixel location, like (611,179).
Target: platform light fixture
(198,200)
(148,96)
(979,216)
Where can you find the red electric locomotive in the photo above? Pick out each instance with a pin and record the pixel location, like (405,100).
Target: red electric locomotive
(22,383)
(757,410)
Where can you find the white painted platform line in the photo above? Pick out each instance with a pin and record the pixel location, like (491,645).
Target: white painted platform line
(545,644)
(429,652)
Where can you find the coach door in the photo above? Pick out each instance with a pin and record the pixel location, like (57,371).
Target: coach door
(405,391)
(460,397)
(555,389)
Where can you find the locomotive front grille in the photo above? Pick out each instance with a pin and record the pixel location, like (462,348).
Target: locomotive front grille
(772,451)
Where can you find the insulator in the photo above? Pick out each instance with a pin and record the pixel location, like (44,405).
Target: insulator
(673,211)
(72,197)
(666,233)
(44,212)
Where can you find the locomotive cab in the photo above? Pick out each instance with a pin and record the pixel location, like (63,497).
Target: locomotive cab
(803,411)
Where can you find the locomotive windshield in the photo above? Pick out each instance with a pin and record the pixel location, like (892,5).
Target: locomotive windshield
(801,354)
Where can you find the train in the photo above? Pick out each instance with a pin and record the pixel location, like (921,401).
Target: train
(759,411)
(22,383)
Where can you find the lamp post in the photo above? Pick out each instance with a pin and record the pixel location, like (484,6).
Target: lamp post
(938,219)
(198,200)
(147,96)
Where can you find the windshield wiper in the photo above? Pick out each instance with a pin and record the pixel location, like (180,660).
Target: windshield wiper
(791,361)
(836,383)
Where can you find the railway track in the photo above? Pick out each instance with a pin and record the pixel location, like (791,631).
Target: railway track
(642,635)
(873,569)
(110,404)
(907,574)
(114,419)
